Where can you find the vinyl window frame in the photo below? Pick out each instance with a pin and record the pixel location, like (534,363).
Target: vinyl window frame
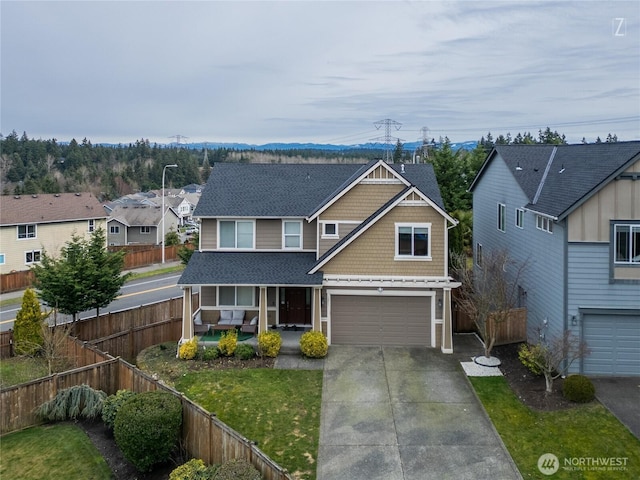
(236,234)
(239,293)
(30,231)
(399,243)
(287,237)
(502,217)
(519,219)
(32,256)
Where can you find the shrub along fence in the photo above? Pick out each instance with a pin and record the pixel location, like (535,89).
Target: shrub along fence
(203,435)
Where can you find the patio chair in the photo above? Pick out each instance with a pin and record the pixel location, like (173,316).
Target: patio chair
(250,326)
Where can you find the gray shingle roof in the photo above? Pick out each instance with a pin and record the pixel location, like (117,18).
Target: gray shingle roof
(137,215)
(575,173)
(250,268)
(289,190)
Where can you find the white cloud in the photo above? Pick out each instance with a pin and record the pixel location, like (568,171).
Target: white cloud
(317,71)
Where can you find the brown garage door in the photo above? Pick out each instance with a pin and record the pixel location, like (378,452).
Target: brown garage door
(373,320)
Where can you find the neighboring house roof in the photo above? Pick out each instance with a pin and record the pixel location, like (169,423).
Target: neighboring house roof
(173,202)
(292,190)
(138,216)
(49,208)
(192,188)
(558,178)
(250,268)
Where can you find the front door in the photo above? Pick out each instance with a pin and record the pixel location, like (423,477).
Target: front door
(295,306)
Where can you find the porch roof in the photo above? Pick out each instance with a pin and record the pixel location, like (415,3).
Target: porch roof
(250,268)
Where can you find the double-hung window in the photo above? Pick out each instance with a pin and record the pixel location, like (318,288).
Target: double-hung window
(236,234)
(413,241)
(626,244)
(519,218)
(32,256)
(91,226)
(502,209)
(235,296)
(26,231)
(292,234)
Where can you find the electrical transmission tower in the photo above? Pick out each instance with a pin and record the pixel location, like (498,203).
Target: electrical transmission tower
(425,143)
(178,138)
(387,138)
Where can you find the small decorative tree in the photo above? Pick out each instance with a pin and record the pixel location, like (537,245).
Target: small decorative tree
(54,347)
(27,329)
(554,356)
(489,291)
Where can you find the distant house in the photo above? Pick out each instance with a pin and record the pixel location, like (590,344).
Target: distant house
(572,213)
(31,224)
(359,252)
(139,224)
(179,205)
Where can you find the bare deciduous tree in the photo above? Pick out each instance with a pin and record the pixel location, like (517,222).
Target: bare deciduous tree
(489,291)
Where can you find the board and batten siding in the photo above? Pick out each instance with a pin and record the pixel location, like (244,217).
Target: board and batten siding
(541,252)
(619,200)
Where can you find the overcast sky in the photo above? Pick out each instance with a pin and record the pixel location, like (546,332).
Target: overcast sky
(321,72)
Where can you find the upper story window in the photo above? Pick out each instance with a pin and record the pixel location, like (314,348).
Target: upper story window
(626,244)
(502,209)
(114,229)
(26,231)
(145,230)
(519,218)
(236,234)
(479,254)
(91,225)
(329,230)
(32,256)
(413,241)
(544,223)
(292,234)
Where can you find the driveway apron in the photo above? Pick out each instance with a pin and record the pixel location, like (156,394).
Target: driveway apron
(397,413)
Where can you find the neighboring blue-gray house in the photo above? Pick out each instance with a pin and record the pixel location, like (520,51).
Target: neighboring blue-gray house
(572,212)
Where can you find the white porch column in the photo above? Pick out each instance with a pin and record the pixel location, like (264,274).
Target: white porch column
(187,315)
(316,312)
(447,328)
(262,311)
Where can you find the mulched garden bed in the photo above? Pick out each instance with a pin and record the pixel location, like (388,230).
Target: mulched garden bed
(529,388)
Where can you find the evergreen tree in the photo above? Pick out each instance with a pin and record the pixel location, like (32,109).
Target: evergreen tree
(27,329)
(397,152)
(611,138)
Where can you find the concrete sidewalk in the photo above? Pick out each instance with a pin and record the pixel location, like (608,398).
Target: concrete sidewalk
(404,414)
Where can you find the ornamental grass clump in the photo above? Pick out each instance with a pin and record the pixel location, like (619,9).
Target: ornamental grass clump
(188,349)
(269,343)
(314,344)
(228,342)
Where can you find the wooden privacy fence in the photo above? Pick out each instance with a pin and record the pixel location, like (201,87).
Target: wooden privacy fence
(511,330)
(138,256)
(203,435)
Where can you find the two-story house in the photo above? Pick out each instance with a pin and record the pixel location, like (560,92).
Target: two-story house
(571,215)
(139,224)
(356,251)
(30,224)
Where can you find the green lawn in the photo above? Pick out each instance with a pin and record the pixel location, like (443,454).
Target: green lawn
(575,435)
(17,370)
(51,452)
(279,409)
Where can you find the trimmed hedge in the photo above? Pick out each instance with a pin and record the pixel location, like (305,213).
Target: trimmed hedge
(314,344)
(147,428)
(578,388)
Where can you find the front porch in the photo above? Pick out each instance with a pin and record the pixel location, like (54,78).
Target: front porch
(290,340)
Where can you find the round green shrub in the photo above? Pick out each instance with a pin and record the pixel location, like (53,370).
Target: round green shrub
(112,404)
(194,469)
(237,470)
(314,344)
(269,343)
(147,428)
(244,351)
(210,353)
(578,388)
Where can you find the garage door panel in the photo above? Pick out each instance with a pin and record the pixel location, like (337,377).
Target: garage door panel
(614,341)
(384,320)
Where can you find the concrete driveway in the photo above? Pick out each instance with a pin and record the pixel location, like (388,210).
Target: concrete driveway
(621,395)
(403,414)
